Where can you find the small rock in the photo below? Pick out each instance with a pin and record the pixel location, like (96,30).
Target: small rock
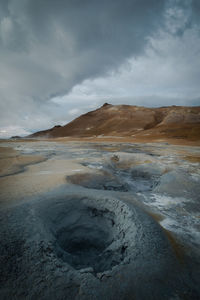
(87,270)
(115,158)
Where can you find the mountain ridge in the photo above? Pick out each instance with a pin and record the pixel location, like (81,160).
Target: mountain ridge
(128,120)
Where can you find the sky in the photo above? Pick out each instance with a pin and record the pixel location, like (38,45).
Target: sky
(60,59)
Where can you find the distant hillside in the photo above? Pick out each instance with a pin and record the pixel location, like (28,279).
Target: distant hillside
(126,120)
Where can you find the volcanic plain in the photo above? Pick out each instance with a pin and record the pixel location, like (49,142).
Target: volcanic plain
(103,212)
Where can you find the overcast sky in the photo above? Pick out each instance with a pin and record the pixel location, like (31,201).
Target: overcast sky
(61,58)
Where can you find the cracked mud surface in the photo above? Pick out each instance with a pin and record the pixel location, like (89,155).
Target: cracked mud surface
(101,221)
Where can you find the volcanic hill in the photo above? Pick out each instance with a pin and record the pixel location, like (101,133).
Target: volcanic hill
(178,122)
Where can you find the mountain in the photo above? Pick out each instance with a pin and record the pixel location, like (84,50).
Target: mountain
(131,121)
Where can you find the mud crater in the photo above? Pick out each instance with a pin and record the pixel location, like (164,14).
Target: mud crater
(135,180)
(89,235)
(105,181)
(83,244)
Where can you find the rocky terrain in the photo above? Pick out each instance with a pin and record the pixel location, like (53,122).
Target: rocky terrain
(176,122)
(88,220)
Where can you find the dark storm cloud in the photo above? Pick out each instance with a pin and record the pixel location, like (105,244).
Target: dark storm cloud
(47,47)
(64,42)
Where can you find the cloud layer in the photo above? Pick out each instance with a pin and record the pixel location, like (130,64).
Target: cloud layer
(60,58)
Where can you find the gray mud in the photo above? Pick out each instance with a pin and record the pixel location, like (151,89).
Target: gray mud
(94,237)
(73,247)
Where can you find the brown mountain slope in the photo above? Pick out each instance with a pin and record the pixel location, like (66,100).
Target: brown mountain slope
(127,121)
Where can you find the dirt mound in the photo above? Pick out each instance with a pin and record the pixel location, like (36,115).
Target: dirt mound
(131,121)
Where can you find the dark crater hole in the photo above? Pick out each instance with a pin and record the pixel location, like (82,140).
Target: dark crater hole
(104,181)
(84,239)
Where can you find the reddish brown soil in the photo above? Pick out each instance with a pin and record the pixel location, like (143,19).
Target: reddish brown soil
(132,122)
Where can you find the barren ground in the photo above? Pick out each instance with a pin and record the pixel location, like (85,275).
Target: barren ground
(103,218)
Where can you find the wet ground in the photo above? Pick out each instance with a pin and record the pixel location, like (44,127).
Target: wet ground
(100,221)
